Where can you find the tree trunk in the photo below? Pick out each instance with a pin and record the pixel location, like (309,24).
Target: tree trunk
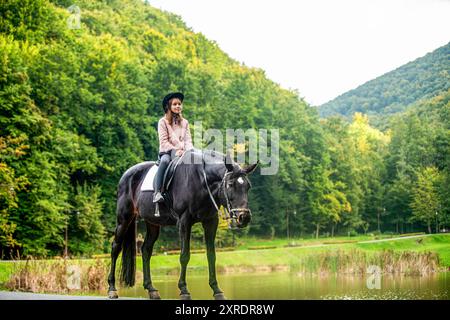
(378,220)
(332,230)
(429,227)
(437,225)
(317,230)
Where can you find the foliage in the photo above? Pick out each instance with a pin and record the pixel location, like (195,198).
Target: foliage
(80,106)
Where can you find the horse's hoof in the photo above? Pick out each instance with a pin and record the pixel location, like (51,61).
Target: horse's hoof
(219,296)
(154,295)
(185,296)
(113,294)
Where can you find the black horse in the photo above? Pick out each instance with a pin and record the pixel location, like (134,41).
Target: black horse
(203,181)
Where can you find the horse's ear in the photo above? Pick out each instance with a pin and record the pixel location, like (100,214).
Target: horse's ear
(229,163)
(249,169)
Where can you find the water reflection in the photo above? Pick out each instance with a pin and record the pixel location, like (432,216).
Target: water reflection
(288,285)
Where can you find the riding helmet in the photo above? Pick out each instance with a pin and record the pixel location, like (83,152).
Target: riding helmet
(165,102)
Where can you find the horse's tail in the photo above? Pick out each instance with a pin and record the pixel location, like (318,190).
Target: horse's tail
(128,269)
(127,212)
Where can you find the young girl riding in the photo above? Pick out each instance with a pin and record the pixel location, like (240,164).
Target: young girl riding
(174,137)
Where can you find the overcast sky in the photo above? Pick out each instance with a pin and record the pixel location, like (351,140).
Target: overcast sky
(322,48)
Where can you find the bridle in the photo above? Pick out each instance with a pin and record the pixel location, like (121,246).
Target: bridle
(230,213)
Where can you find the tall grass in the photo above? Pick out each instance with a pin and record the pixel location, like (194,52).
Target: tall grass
(55,276)
(357,261)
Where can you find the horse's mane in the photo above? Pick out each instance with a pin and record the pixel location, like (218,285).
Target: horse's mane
(209,156)
(214,161)
(214,155)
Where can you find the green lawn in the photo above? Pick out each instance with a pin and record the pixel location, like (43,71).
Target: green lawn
(6,269)
(439,243)
(281,242)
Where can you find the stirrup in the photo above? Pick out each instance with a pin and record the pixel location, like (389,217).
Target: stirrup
(160,198)
(157,210)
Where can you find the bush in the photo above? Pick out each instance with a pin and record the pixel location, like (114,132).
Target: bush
(353,233)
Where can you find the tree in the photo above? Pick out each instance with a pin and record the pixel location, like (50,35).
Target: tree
(9,186)
(86,232)
(425,203)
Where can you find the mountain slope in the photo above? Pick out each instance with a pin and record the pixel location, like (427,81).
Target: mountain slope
(390,93)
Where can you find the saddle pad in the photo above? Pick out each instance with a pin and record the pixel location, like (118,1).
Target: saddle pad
(147,184)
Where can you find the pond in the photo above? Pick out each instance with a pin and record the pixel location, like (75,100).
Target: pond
(290,285)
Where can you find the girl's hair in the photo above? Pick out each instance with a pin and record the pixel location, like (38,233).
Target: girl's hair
(169,115)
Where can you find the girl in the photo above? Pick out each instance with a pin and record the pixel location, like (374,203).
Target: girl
(174,137)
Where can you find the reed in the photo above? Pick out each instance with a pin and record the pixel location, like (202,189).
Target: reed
(357,262)
(58,276)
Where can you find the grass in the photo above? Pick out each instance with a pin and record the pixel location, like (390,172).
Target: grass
(53,276)
(283,242)
(438,243)
(6,269)
(252,242)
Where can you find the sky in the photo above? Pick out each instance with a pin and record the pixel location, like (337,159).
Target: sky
(322,48)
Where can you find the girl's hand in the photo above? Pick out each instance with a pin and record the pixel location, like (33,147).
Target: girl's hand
(179,152)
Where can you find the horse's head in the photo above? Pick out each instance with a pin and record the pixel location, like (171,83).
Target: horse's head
(236,186)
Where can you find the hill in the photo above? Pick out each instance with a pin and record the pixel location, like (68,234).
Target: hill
(392,92)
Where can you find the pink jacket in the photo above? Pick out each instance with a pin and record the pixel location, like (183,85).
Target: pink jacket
(174,136)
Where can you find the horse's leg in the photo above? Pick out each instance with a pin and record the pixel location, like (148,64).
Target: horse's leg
(210,228)
(124,217)
(119,234)
(185,237)
(147,249)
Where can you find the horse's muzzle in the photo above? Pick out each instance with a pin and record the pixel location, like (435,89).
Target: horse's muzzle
(243,217)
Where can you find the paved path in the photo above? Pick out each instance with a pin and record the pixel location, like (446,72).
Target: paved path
(7,295)
(367,241)
(398,238)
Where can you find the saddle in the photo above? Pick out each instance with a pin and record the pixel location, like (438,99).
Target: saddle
(149,182)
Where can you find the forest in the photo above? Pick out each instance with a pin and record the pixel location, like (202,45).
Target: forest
(78,106)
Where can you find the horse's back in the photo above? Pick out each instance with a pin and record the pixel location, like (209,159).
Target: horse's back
(136,169)
(134,175)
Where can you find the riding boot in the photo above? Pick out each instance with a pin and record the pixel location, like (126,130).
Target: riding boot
(165,159)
